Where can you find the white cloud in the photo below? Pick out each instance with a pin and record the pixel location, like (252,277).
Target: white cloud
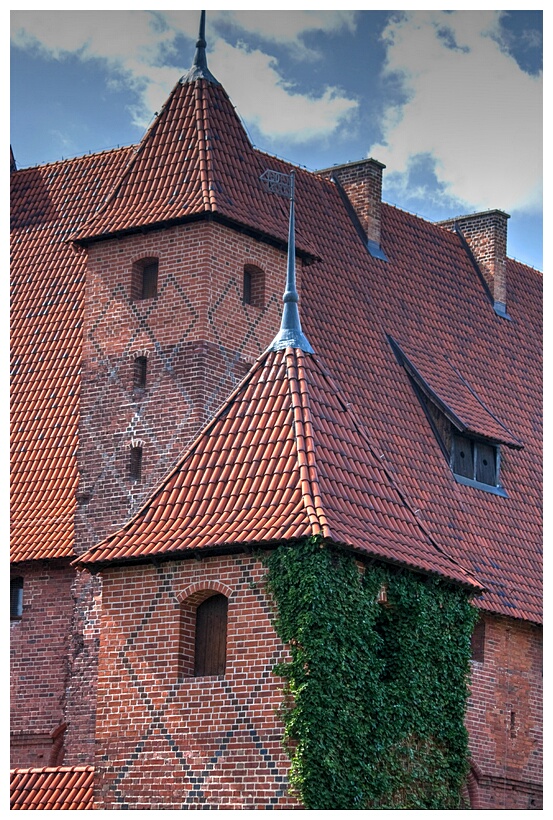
(287,28)
(264,99)
(133,45)
(469,105)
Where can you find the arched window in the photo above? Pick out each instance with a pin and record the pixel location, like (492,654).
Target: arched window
(144,279)
(210,651)
(253,289)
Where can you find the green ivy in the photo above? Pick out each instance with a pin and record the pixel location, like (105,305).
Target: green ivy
(375,695)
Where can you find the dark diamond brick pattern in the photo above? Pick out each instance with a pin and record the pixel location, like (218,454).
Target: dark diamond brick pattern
(165,715)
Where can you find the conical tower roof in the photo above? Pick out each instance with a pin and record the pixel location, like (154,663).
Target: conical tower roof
(195,161)
(283,459)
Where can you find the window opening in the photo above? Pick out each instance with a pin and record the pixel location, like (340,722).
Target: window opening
(211,636)
(477,641)
(144,279)
(474,460)
(140,371)
(16,598)
(135,465)
(253,287)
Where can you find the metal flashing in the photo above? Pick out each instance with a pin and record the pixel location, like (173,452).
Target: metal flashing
(199,69)
(375,250)
(478,485)
(501,310)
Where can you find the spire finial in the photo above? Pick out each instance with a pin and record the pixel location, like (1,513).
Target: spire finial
(199,70)
(290,333)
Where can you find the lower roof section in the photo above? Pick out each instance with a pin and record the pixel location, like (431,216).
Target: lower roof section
(52,788)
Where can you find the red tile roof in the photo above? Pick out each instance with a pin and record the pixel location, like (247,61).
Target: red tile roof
(443,383)
(283,459)
(196,159)
(52,788)
(427,297)
(47,280)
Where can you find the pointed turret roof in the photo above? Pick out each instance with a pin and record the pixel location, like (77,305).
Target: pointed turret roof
(283,459)
(195,161)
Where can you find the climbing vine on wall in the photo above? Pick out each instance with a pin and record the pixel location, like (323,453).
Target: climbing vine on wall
(375,694)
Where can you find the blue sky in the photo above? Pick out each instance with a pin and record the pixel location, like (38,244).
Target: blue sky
(451,102)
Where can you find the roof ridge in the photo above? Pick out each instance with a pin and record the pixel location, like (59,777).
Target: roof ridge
(303,428)
(201,113)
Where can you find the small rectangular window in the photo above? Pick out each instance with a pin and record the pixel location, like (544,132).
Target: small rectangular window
(485,457)
(463,457)
(135,468)
(247,287)
(140,370)
(478,641)
(477,462)
(16,598)
(211,636)
(149,281)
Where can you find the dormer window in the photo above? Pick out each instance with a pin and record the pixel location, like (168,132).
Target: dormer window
(475,461)
(468,432)
(144,279)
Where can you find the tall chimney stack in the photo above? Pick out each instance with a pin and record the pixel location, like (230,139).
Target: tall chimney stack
(361,181)
(485,234)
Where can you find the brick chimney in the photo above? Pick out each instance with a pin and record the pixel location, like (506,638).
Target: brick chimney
(485,234)
(362,183)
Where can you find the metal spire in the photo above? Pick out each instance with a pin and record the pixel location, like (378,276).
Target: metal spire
(199,70)
(290,333)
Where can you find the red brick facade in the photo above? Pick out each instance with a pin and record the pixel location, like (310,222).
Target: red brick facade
(166,741)
(504,716)
(199,339)
(39,662)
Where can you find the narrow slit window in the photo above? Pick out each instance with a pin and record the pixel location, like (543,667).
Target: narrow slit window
(16,598)
(478,641)
(149,281)
(211,636)
(140,372)
(247,288)
(135,466)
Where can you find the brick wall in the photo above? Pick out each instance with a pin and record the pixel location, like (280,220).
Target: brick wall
(199,339)
(39,665)
(504,716)
(188,743)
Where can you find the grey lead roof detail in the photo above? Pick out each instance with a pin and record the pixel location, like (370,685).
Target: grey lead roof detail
(199,69)
(290,333)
